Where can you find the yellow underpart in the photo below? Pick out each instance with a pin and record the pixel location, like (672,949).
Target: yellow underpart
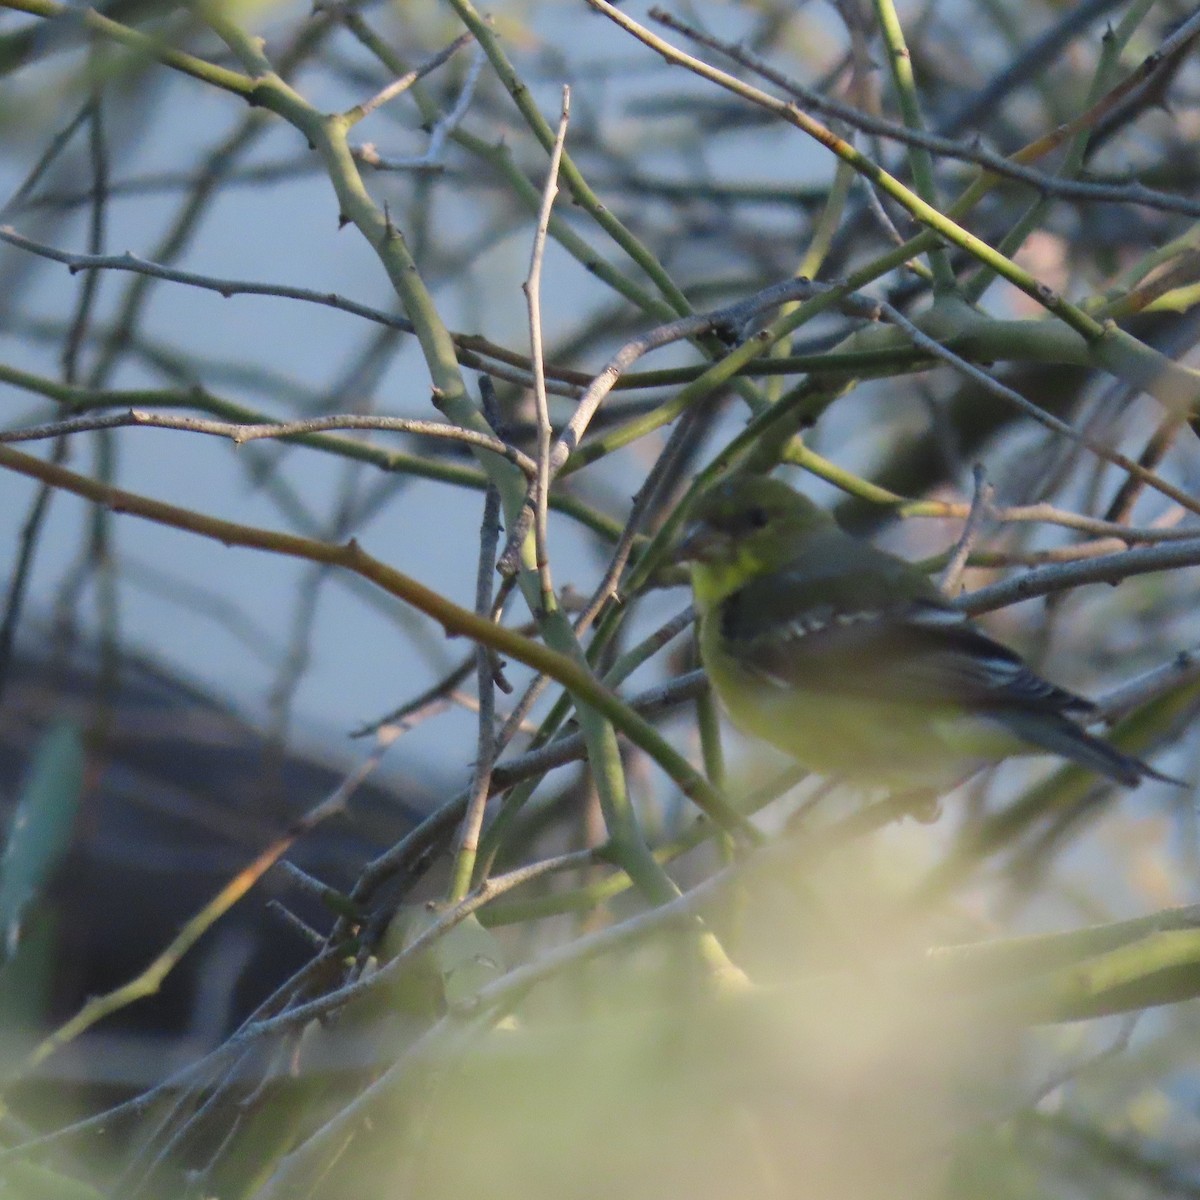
(879,742)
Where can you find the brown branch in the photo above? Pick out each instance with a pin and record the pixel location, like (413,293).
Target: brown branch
(454,619)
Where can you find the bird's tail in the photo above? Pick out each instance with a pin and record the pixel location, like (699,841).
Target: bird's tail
(1060,735)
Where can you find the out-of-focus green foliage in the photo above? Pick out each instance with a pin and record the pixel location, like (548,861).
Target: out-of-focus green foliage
(629,1001)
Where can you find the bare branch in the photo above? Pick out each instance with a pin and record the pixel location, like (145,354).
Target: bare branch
(980,506)
(997,164)
(399,86)
(240,434)
(533,292)
(1110,569)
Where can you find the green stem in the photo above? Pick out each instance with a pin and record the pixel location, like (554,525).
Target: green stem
(572,177)
(920,160)
(942,225)
(152,48)
(1110,53)
(84,399)
(456,620)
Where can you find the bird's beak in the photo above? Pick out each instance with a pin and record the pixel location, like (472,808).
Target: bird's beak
(700,542)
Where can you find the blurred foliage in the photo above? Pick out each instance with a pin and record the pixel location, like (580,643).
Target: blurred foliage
(632,998)
(40,830)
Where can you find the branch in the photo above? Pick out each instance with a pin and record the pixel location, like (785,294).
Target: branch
(142,44)
(540,492)
(473,349)
(401,85)
(996,164)
(1111,569)
(239,433)
(456,621)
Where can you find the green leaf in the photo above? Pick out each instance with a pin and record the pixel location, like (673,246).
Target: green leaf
(40,830)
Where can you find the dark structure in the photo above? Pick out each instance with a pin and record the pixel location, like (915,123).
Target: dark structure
(180,793)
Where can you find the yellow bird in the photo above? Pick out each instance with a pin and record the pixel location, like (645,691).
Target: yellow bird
(849,659)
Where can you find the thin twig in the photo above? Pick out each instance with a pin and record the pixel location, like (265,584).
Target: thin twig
(1155,450)
(438,696)
(682,439)
(488,890)
(149,980)
(473,350)
(431,160)
(1028,65)
(80,323)
(533,294)
(1134,693)
(401,85)
(485,751)
(868,307)
(414,846)
(732,318)
(997,164)
(20,199)
(574,675)
(240,434)
(434,700)
(1049,514)
(1111,569)
(980,506)
(450,122)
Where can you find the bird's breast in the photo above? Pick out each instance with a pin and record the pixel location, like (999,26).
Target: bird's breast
(884,742)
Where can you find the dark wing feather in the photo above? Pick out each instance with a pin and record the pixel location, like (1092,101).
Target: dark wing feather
(885,637)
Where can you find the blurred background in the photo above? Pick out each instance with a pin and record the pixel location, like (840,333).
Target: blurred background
(216,689)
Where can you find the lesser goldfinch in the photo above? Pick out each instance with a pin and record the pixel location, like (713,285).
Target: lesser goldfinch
(850,660)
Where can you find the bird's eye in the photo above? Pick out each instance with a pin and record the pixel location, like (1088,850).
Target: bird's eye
(757,518)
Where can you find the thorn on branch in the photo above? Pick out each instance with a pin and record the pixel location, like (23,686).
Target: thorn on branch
(499,678)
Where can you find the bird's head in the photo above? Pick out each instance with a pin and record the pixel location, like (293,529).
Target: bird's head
(744,526)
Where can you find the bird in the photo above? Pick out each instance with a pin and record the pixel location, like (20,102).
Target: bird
(849,659)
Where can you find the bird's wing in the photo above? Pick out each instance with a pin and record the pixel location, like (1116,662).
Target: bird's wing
(879,635)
